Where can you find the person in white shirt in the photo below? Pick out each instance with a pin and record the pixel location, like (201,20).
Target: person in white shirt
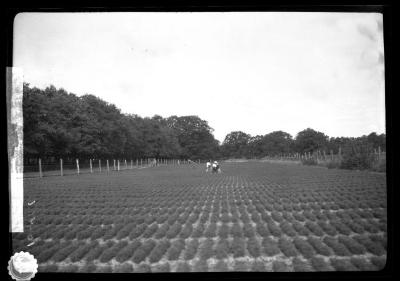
(208,166)
(215,167)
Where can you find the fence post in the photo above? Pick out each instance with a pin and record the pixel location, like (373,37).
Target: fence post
(77,166)
(40,168)
(137,163)
(126,165)
(118,164)
(141,162)
(340,153)
(331,155)
(114,165)
(108,167)
(61,167)
(91,167)
(100,165)
(379,153)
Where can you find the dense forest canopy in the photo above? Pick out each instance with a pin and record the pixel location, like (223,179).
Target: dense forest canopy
(61,124)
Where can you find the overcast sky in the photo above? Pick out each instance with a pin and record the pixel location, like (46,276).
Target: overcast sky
(254,72)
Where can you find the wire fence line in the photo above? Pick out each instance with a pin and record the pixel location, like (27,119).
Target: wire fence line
(62,167)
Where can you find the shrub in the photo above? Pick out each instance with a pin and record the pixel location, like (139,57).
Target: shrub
(143,251)
(319,264)
(287,247)
(314,228)
(175,250)
(274,229)
(248,230)
(94,253)
(379,166)
(253,247)
(379,262)
(206,251)
(280,266)
(150,230)
(352,245)
(161,219)
(301,230)
(288,229)
(214,217)
(332,164)
(244,217)
(241,266)
(174,230)
(48,253)
(319,247)
(327,228)
(266,218)
(124,232)
(277,216)
(258,266)
(287,216)
(337,247)
(48,268)
(221,249)
(304,248)
(298,216)
(309,215)
(379,239)
(110,253)
(198,231)
(309,161)
(64,252)
(220,266)
(236,230)
(127,252)
(186,231)
(340,227)
(204,217)
(173,218)
(193,218)
(123,268)
(162,230)
(137,231)
(223,231)
(237,247)
(159,250)
(191,249)
(183,267)
(374,248)
(362,264)
(200,266)
(211,230)
(79,253)
(72,233)
(342,265)
(98,232)
(300,266)
(262,230)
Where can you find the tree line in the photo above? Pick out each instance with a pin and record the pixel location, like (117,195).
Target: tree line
(239,144)
(61,124)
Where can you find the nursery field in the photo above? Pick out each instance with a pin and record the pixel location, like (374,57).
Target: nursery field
(254,216)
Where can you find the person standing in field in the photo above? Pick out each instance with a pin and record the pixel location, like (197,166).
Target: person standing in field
(215,167)
(208,166)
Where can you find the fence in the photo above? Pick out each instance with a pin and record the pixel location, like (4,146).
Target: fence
(322,157)
(62,167)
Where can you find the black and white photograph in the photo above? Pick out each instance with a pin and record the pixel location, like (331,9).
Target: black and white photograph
(216,141)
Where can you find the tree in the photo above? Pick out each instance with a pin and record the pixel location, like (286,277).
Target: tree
(194,136)
(277,143)
(310,140)
(235,144)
